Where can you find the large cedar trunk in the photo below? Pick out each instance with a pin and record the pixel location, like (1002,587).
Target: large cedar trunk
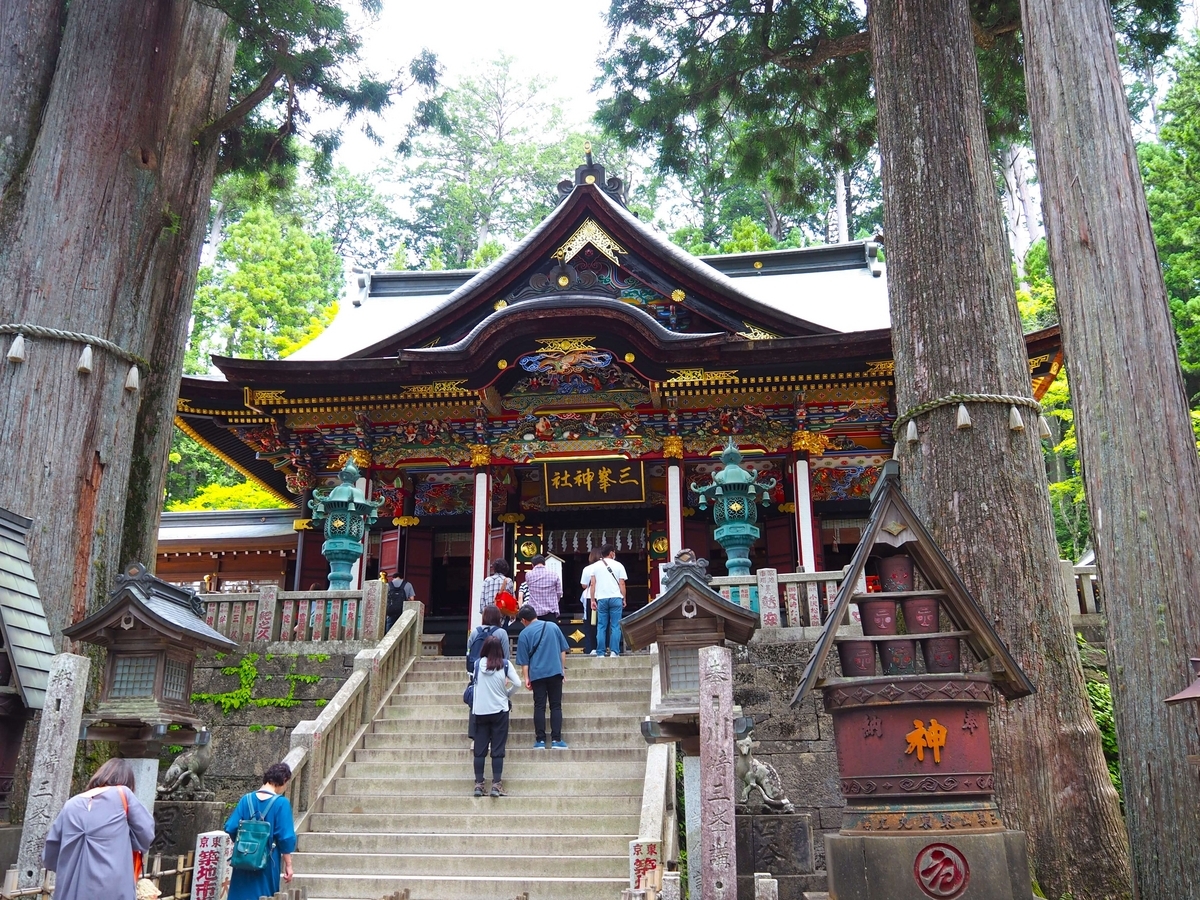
(100,227)
(1131,419)
(955,329)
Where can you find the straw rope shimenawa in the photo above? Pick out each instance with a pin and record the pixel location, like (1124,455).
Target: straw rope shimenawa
(40,331)
(950,399)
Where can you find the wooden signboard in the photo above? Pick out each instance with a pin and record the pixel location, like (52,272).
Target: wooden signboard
(594,482)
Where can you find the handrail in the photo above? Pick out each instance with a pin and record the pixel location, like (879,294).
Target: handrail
(270,614)
(328,740)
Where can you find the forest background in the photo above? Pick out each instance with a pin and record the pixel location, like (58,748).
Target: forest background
(702,158)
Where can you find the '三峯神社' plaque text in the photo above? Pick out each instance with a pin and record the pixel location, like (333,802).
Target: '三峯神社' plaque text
(591,482)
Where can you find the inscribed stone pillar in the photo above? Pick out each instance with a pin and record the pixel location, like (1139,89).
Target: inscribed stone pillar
(768,598)
(670,887)
(718,846)
(691,805)
(53,760)
(211,881)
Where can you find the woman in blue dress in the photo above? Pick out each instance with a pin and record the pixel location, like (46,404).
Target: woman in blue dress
(265,803)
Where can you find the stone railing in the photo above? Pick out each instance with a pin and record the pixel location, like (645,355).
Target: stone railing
(321,746)
(298,616)
(1082,584)
(657,842)
(805,598)
(789,599)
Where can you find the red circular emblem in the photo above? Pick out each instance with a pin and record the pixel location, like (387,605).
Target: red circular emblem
(941,872)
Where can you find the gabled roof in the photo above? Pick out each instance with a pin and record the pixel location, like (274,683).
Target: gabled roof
(894,523)
(164,607)
(22,618)
(653,259)
(640,627)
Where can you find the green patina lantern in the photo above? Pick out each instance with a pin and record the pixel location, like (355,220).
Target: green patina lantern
(735,492)
(347,514)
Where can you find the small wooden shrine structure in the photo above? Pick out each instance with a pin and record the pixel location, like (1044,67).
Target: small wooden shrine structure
(152,630)
(25,648)
(913,745)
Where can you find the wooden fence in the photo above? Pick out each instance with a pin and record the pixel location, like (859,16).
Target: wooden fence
(175,884)
(299,616)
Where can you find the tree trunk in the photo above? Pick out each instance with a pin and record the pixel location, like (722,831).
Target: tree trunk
(29,32)
(983,490)
(841,196)
(99,234)
(1131,421)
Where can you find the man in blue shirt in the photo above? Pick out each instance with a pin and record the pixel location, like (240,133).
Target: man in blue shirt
(542,656)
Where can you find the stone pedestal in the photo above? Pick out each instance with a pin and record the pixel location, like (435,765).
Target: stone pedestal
(937,863)
(145,780)
(781,845)
(177,824)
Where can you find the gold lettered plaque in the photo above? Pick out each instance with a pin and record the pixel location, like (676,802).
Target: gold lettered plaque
(589,483)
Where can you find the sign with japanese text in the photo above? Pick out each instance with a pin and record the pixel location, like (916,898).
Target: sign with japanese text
(594,482)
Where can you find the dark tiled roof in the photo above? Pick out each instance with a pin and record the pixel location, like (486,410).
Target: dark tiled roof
(22,618)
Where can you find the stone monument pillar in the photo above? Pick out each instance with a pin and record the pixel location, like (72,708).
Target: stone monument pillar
(718,844)
(53,760)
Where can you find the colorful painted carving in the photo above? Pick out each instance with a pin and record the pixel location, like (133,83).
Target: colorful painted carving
(843,482)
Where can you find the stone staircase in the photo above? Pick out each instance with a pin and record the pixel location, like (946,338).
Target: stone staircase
(401,814)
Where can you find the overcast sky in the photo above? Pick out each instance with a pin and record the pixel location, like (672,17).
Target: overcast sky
(557,41)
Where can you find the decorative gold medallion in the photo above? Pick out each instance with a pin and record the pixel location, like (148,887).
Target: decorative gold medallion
(589,233)
(629,357)
(678,295)
(894,528)
(481,455)
(811,442)
(673,447)
(499,305)
(563,280)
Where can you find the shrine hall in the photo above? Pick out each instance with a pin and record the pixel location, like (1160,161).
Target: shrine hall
(569,395)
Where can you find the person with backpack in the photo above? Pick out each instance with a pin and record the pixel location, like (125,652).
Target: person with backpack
(264,838)
(491,626)
(495,681)
(542,656)
(398,592)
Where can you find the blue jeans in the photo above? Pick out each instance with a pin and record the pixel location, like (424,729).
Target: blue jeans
(608,625)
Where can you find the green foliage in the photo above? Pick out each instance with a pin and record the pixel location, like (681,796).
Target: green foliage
(1035,299)
(779,96)
(320,702)
(292,55)
(190,467)
(1171,169)
(243,695)
(1100,699)
(318,657)
(247,495)
(271,279)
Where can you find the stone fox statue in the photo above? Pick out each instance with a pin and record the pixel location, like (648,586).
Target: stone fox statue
(751,773)
(187,771)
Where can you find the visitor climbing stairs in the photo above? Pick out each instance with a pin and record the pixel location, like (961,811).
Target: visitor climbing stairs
(401,815)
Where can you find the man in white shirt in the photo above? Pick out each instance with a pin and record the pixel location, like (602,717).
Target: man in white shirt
(606,588)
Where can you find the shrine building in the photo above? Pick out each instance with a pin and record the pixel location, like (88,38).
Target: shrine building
(567,396)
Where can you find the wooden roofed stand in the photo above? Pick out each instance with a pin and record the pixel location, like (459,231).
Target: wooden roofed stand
(913,745)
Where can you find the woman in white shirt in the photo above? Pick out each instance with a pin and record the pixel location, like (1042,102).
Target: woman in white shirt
(495,681)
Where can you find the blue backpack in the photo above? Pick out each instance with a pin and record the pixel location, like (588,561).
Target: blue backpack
(252,848)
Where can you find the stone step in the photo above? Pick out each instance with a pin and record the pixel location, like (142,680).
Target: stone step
(632,709)
(466,814)
(466,842)
(461,887)
(628,661)
(427,864)
(424,741)
(522,753)
(551,764)
(544,803)
(593,693)
(517,782)
(573,722)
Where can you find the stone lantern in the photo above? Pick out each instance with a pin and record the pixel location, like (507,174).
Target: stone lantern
(347,513)
(735,491)
(152,630)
